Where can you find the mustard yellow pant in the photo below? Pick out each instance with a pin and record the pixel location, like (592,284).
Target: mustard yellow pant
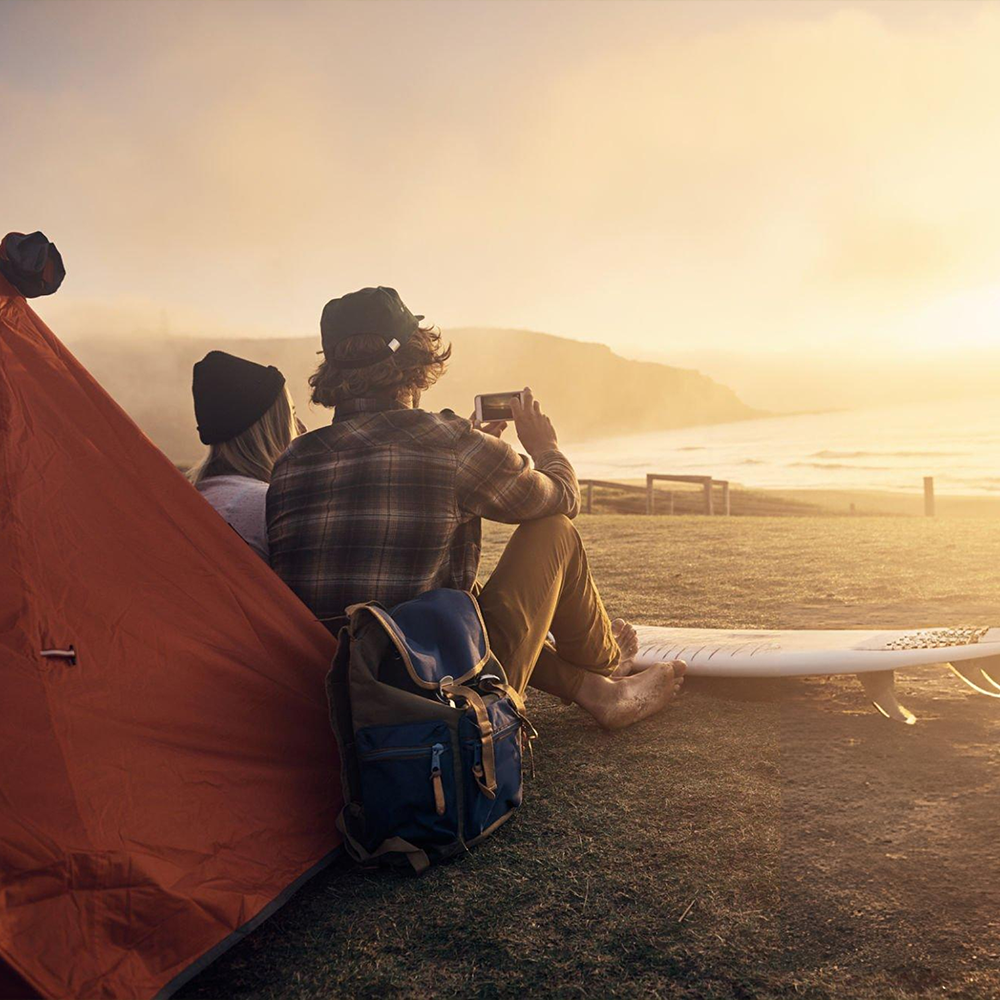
(543,584)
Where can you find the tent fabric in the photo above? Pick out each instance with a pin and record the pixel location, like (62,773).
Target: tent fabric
(164,792)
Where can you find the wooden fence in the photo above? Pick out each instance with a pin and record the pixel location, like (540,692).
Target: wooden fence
(707,484)
(714,497)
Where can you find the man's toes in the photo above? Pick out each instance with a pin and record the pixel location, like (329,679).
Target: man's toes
(626,637)
(674,680)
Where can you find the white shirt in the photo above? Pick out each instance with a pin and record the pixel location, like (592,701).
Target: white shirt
(241,501)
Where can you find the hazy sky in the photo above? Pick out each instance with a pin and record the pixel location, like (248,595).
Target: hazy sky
(658,176)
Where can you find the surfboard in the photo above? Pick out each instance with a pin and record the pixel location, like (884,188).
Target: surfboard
(972,652)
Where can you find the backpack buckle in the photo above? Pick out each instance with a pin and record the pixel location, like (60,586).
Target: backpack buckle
(444,691)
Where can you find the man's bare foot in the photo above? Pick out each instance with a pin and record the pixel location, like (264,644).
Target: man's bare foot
(618,702)
(628,643)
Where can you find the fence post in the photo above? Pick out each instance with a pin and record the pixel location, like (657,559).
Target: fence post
(929,496)
(725,497)
(650,499)
(670,497)
(709,506)
(590,498)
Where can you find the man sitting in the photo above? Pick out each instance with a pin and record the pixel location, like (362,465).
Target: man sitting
(386,503)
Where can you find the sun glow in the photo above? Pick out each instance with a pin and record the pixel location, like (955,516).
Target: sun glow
(784,179)
(963,320)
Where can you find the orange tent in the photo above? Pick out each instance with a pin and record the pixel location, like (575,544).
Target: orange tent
(166,789)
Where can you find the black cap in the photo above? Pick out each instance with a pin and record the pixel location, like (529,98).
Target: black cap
(231,394)
(369,310)
(31,264)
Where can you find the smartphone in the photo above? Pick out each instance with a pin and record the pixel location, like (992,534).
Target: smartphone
(495,406)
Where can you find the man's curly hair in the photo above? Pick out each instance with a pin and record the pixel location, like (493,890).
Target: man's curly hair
(416,366)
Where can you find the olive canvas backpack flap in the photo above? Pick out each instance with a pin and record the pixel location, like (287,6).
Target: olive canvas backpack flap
(429,730)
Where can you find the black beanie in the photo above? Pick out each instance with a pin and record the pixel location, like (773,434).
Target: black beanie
(231,394)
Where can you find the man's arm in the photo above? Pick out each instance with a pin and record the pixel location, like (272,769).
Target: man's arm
(494,482)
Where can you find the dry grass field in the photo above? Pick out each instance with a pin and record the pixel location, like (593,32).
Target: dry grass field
(767,839)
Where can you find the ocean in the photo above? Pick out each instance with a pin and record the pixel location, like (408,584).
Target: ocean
(881,448)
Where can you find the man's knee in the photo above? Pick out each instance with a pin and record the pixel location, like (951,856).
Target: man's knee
(557,529)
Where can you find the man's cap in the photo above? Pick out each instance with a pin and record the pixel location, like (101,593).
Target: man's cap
(31,264)
(370,310)
(231,394)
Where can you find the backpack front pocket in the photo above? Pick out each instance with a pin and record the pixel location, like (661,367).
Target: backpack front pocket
(408,783)
(482,812)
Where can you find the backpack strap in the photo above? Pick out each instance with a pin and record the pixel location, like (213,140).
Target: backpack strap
(486,775)
(341,720)
(528,732)
(417,858)
(504,689)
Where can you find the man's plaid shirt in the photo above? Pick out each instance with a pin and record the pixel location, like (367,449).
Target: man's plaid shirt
(386,502)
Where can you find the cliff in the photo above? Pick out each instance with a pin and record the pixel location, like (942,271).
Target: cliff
(589,391)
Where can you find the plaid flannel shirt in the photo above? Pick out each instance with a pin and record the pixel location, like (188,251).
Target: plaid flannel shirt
(385,504)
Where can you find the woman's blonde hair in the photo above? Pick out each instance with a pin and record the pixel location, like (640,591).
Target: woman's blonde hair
(254,452)
(416,366)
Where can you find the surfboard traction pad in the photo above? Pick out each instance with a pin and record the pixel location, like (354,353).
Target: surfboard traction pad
(930,638)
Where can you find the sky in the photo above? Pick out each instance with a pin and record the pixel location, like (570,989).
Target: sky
(677,180)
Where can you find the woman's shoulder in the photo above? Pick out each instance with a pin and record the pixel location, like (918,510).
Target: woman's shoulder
(233,485)
(241,500)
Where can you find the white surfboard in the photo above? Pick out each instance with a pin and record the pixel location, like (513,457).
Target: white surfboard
(973,653)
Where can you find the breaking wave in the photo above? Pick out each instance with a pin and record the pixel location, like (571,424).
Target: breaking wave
(891,448)
(839,465)
(887,454)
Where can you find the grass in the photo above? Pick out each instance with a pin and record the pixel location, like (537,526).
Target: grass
(768,839)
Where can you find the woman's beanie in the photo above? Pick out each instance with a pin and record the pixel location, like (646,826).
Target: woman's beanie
(231,394)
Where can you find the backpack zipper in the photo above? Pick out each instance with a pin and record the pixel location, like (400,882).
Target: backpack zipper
(499,734)
(436,782)
(413,752)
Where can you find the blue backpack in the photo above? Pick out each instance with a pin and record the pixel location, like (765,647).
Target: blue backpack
(429,730)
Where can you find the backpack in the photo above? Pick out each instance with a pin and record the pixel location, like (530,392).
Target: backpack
(430,732)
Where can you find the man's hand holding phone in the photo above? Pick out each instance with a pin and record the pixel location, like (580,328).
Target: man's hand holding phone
(534,429)
(494,428)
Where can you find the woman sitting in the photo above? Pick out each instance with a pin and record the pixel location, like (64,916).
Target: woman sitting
(246,417)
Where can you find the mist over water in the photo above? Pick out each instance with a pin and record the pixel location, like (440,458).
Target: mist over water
(882,448)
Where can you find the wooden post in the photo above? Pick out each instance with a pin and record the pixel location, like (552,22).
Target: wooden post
(670,498)
(650,499)
(709,506)
(929,496)
(590,499)
(725,497)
